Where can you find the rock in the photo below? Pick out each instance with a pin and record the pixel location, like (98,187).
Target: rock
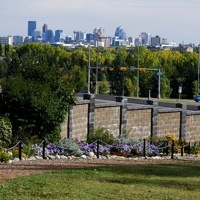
(70,157)
(16,159)
(91,154)
(57,156)
(63,157)
(51,157)
(84,156)
(36,158)
(10,162)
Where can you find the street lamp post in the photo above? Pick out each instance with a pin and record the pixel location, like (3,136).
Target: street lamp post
(96,89)
(89,71)
(138,73)
(159,74)
(198,72)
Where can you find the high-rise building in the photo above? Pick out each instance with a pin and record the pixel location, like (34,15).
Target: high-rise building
(31,28)
(6,40)
(146,38)
(89,37)
(44,28)
(49,36)
(68,39)
(37,36)
(100,38)
(59,36)
(120,33)
(79,36)
(155,40)
(18,39)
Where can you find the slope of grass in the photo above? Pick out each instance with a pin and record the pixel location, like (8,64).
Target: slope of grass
(163,181)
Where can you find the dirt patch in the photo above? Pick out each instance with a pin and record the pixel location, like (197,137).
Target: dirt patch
(23,168)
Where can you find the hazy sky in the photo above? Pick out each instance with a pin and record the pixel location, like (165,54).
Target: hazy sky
(176,20)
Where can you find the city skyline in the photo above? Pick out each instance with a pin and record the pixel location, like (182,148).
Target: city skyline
(175,20)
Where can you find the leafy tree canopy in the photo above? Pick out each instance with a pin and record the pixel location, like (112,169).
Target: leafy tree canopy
(35,94)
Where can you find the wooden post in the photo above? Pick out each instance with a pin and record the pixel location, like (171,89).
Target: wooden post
(144,148)
(172,155)
(98,148)
(43,149)
(20,150)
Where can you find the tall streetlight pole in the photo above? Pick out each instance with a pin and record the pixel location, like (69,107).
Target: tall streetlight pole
(96,89)
(89,71)
(159,74)
(138,73)
(198,72)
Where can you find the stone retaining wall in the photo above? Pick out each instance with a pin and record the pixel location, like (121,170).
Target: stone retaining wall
(193,127)
(168,122)
(138,122)
(109,118)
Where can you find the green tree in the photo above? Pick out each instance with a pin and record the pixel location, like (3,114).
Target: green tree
(35,93)
(195,88)
(130,88)
(104,85)
(165,88)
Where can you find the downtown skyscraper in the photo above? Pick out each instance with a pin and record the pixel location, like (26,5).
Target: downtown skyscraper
(31,28)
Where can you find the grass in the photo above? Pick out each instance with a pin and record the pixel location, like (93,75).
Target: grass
(161,181)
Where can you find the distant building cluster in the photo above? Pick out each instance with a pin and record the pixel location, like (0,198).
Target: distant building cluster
(97,38)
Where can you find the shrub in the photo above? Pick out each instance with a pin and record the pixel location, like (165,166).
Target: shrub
(115,151)
(101,134)
(15,153)
(69,147)
(195,149)
(29,150)
(4,157)
(134,151)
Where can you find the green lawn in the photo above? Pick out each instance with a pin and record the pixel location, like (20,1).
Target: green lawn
(161,181)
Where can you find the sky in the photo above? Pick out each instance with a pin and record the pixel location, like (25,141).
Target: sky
(176,20)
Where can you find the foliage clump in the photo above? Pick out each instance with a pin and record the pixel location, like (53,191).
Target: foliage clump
(101,134)
(4,156)
(195,149)
(69,146)
(5,131)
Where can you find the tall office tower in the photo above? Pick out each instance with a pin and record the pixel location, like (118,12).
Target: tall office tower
(99,37)
(89,37)
(44,28)
(59,36)
(146,38)
(37,36)
(79,35)
(155,40)
(120,33)
(49,36)
(68,39)
(31,28)
(96,30)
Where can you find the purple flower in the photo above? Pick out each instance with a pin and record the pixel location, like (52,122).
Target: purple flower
(153,149)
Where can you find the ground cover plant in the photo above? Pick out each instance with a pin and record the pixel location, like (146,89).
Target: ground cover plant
(150,181)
